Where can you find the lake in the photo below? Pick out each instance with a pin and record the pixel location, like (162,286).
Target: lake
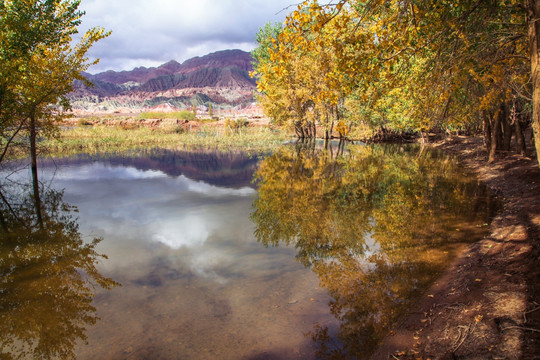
(308,252)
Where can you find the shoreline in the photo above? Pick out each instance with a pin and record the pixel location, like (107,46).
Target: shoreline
(486,305)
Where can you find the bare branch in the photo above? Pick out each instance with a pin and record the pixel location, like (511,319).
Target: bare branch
(10,140)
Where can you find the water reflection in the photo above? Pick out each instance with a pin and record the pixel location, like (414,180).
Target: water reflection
(195,284)
(376,224)
(48,276)
(223,169)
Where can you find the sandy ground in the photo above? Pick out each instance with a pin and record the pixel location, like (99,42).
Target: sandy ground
(487,304)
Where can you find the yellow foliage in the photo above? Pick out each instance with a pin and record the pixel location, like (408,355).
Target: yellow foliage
(418,66)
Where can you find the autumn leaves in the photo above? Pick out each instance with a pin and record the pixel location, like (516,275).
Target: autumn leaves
(399,65)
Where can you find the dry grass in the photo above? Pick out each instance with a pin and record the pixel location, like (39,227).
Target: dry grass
(102,139)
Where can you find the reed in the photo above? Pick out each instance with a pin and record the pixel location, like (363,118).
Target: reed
(102,139)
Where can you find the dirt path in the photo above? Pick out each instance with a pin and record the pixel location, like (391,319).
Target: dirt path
(487,305)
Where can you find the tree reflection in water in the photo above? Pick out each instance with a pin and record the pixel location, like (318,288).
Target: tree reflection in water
(48,277)
(376,224)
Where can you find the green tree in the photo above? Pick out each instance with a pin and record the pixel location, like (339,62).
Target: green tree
(38,65)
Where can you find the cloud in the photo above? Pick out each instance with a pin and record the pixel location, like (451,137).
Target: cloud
(150,33)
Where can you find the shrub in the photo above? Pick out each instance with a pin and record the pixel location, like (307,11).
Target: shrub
(174,129)
(129,126)
(84,122)
(178,115)
(234,126)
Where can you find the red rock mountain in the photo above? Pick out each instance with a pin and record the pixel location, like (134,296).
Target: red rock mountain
(221,78)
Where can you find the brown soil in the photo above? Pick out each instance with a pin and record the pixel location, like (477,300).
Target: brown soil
(487,304)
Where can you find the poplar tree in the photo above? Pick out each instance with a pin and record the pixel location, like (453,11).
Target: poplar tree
(443,65)
(38,64)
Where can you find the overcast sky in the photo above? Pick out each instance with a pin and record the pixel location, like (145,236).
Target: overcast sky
(150,33)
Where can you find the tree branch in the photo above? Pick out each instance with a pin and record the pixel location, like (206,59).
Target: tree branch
(11,140)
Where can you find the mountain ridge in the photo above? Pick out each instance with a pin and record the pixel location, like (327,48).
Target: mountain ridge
(220,78)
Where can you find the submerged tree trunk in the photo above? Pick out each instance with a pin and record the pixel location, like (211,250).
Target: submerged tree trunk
(297,130)
(532,8)
(35,181)
(341,147)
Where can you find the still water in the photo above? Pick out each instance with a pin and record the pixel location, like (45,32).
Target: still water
(305,253)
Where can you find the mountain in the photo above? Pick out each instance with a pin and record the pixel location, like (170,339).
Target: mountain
(221,78)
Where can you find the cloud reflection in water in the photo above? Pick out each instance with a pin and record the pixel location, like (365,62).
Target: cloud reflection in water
(189,231)
(141,213)
(191,269)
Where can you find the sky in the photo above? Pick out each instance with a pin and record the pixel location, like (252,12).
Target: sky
(150,33)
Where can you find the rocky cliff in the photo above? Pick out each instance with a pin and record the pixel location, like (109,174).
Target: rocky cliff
(221,78)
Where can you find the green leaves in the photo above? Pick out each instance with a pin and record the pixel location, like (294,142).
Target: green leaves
(38,63)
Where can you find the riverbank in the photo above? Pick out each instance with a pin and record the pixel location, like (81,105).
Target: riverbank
(487,304)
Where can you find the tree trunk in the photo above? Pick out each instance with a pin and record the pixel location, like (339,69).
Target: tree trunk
(2,218)
(532,8)
(520,139)
(425,138)
(506,128)
(495,135)
(487,131)
(3,222)
(35,181)
(300,131)
(297,131)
